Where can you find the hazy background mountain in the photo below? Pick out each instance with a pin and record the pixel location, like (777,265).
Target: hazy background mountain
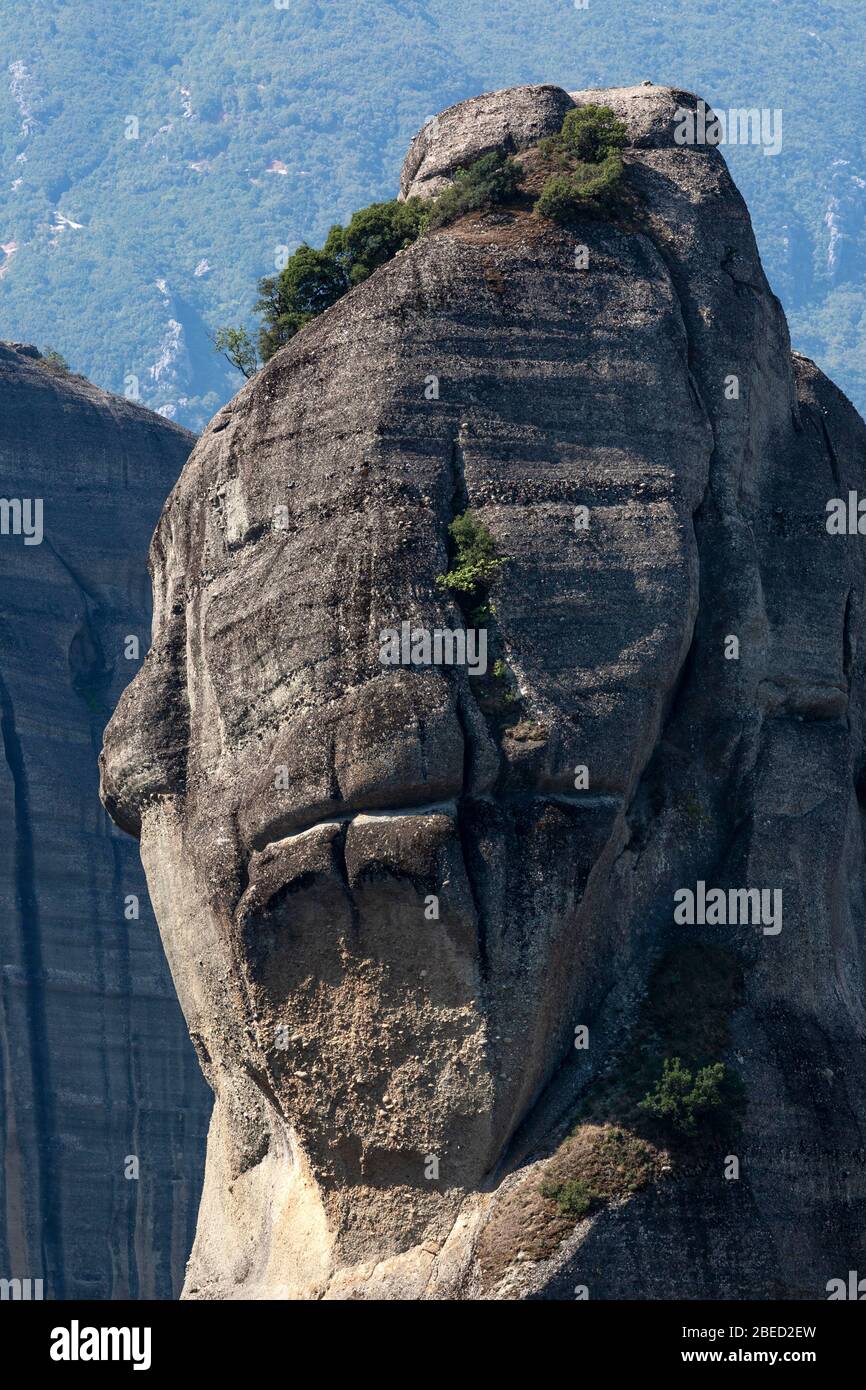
(258,126)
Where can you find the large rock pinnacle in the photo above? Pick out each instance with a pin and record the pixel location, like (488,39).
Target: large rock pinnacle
(390,909)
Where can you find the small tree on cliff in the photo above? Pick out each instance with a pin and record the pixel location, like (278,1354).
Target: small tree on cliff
(314,279)
(237,347)
(591,133)
(310,283)
(587,151)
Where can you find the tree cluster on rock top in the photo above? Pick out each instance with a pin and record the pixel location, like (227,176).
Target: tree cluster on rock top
(588,170)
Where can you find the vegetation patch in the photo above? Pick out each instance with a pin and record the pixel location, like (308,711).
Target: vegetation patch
(528,731)
(588,162)
(587,170)
(565,196)
(497,694)
(312,280)
(574,1197)
(596,1165)
(669,1083)
(592,133)
(238,348)
(52,361)
(474,564)
(682,1098)
(666,1102)
(493,179)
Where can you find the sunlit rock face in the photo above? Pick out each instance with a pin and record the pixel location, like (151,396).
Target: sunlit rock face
(102,1112)
(386,908)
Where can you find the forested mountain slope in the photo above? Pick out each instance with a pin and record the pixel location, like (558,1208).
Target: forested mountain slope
(258,126)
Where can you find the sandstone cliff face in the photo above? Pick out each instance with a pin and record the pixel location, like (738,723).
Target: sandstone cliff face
(390,1088)
(95,1065)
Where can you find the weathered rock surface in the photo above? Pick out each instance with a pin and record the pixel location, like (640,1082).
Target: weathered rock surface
(388,1086)
(95,1064)
(510,120)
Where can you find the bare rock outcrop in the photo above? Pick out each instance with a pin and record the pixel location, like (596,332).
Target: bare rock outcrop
(95,1066)
(510,120)
(393,1086)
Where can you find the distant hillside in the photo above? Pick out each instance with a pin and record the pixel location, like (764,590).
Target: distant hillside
(257,127)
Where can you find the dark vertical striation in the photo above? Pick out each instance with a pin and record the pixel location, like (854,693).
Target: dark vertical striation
(95,1063)
(41,1084)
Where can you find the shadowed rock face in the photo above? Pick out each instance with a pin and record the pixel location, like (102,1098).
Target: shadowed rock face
(383,1078)
(95,1064)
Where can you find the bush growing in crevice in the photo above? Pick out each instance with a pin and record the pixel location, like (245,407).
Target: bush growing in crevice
(492,179)
(475,563)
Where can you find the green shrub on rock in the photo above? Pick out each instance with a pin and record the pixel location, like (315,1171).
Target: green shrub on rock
(587,151)
(574,1197)
(312,280)
(53,361)
(565,196)
(591,133)
(237,347)
(475,563)
(492,179)
(374,235)
(310,283)
(682,1097)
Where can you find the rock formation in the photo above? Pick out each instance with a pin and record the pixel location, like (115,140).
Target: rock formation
(95,1065)
(405,1104)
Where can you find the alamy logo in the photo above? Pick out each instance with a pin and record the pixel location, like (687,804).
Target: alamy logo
(846,518)
(20,1290)
(77,1343)
(714,907)
(854,1288)
(441,646)
(22,516)
(739,126)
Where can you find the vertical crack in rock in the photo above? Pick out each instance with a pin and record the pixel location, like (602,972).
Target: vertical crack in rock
(848,648)
(463,804)
(831,450)
(41,1084)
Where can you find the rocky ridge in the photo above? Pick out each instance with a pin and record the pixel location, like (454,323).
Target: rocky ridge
(95,1065)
